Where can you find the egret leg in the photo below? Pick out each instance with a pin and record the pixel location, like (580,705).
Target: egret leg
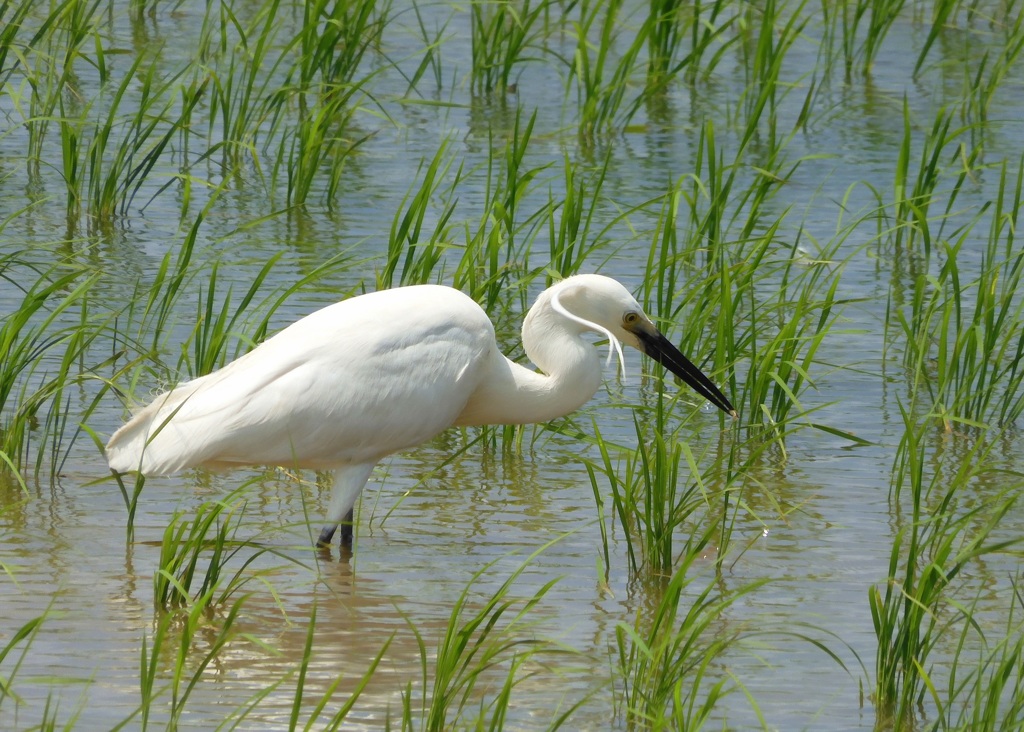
(348,484)
(326,534)
(347,527)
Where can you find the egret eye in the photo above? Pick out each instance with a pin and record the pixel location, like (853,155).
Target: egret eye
(630,318)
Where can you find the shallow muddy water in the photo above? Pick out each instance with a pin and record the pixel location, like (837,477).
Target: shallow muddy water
(817,525)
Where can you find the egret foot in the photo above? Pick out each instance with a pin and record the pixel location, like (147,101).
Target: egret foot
(347,526)
(325,536)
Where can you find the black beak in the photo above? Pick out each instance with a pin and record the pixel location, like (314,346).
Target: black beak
(660,348)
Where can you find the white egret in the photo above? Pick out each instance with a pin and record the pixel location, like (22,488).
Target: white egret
(366,377)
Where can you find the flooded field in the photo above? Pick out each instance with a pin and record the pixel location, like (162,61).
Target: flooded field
(818,203)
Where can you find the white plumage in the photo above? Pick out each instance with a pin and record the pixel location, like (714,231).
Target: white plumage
(369,376)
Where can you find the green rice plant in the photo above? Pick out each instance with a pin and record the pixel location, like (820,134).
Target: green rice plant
(941,14)
(71,157)
(984,691)
(335,37)
(335,720)
(849,17)
(26,633)
(224,327)
(432,45)
(657,491)
(246,98)
(114,156)
(121,155)
(671,24)
(875,18)
(667,292)
(569,235)
(664,39)
(191,95)
(12,14)
(884,14)
(476,644)
(706,30)
(130,497)
(56,45)
(80,19)
(106,161)
(149,668)
(191,625)
(668,659)
(914,197)
(31,337)
(217,327)
(669,259)
(981,86)
(965,341)
(502,33)
(602,79)
(153,307)
(63,425)
(573,238)
(781,364)
(184,574)
(715,279)
(777,31)
(944,534)
(183,545)
(828,56)
(660,489)
(715,203)
(332,43)
(673,259)
(714,282)
(420,256)
(493,256)
(317,141)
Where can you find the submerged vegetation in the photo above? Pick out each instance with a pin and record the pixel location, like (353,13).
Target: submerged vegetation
(819,202)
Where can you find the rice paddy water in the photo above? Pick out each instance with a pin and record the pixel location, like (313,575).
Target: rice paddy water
(817,201)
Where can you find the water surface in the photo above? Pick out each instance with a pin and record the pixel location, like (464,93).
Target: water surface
(818,523)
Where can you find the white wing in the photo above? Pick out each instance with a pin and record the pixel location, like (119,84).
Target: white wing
(350,383)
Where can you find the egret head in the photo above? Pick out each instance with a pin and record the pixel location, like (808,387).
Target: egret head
(599,303)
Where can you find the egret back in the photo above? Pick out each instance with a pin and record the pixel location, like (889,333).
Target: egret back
(348,384)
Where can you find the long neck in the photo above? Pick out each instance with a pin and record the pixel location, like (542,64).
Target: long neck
(512,394)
